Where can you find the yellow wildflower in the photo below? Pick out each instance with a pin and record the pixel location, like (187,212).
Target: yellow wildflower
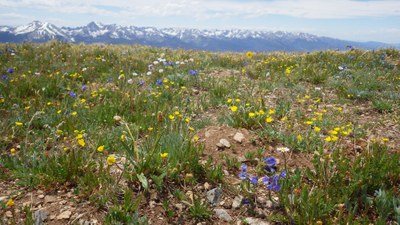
(100,148)
(269,119)
(10,203)
(111,160)
(251,114)
(317,129)
(164,155)
(81,142)
(19,123)
(234,108)
(249,54)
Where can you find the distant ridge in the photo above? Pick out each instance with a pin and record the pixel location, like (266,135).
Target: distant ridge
(210,40)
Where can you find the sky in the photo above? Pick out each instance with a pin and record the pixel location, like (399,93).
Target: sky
(355,20)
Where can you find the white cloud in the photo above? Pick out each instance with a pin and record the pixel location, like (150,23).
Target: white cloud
(315,9)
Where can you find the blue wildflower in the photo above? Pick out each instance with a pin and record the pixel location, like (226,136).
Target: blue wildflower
(84,87)
(283,174)
(270,161)
(10,70)
(243,167)
(72,94)
(243,175)
(253,180)
(159,82)
(246,63)
(265,180)
(141,82)
(4,77)
(193,72)
(246,201)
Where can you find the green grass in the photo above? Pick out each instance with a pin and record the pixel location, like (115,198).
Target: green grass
(64,101)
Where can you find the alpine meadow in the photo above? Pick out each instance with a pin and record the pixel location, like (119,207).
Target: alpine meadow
(132,134)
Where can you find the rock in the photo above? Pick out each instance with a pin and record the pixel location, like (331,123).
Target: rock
(50,199)
(256,221)
(40,216)
(237,202)
(227,203)
(152,204)
(261,199)
(225,143)
(3,198)
(226,172)
(219,145)
(41,196)
(64,215)
(238,137)
(40,192)
(214,196)
(223,215)
(179,207)
(207,186)
(9,214)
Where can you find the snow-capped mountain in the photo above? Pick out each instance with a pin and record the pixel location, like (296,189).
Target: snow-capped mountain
(212,40)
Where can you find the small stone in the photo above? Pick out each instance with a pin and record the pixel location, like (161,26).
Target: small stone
(225,143)
(9,214)
(40,216)
(64,215)
(41,196)
(220,145)
(27,204)
(238,137)
(207,186)
(3,198)
(226,172)
(237,202)
(227,203)
(63,202)
(152,204)
(179,207)
(214,196)
(49,199)
(117,119)
(40,192)
(261,199)
(256,221)
(223,215)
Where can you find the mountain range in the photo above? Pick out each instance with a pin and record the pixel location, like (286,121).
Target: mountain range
(210,40)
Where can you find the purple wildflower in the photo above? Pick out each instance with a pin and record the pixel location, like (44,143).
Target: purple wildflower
(84,87)
(243,167)
(72,94)
(193,72)
(270,161)
(141,82)
(253,180)
(159,82)
(283,174)
(10,70)
(243,175)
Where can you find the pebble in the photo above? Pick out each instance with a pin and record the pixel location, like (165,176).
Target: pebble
(237,202)
(225,143)
(9,214)
(41,196)
(49,199)
(40,216)
(64,215)
(223,215)
(238,137)
(256,221)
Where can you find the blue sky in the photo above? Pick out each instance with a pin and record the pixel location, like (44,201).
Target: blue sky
(358,20)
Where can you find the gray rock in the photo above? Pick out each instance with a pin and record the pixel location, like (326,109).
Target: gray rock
(40,216)
(223,215)
(238,137)
(225,143)
(256,221)
(214,196)
(237,202)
